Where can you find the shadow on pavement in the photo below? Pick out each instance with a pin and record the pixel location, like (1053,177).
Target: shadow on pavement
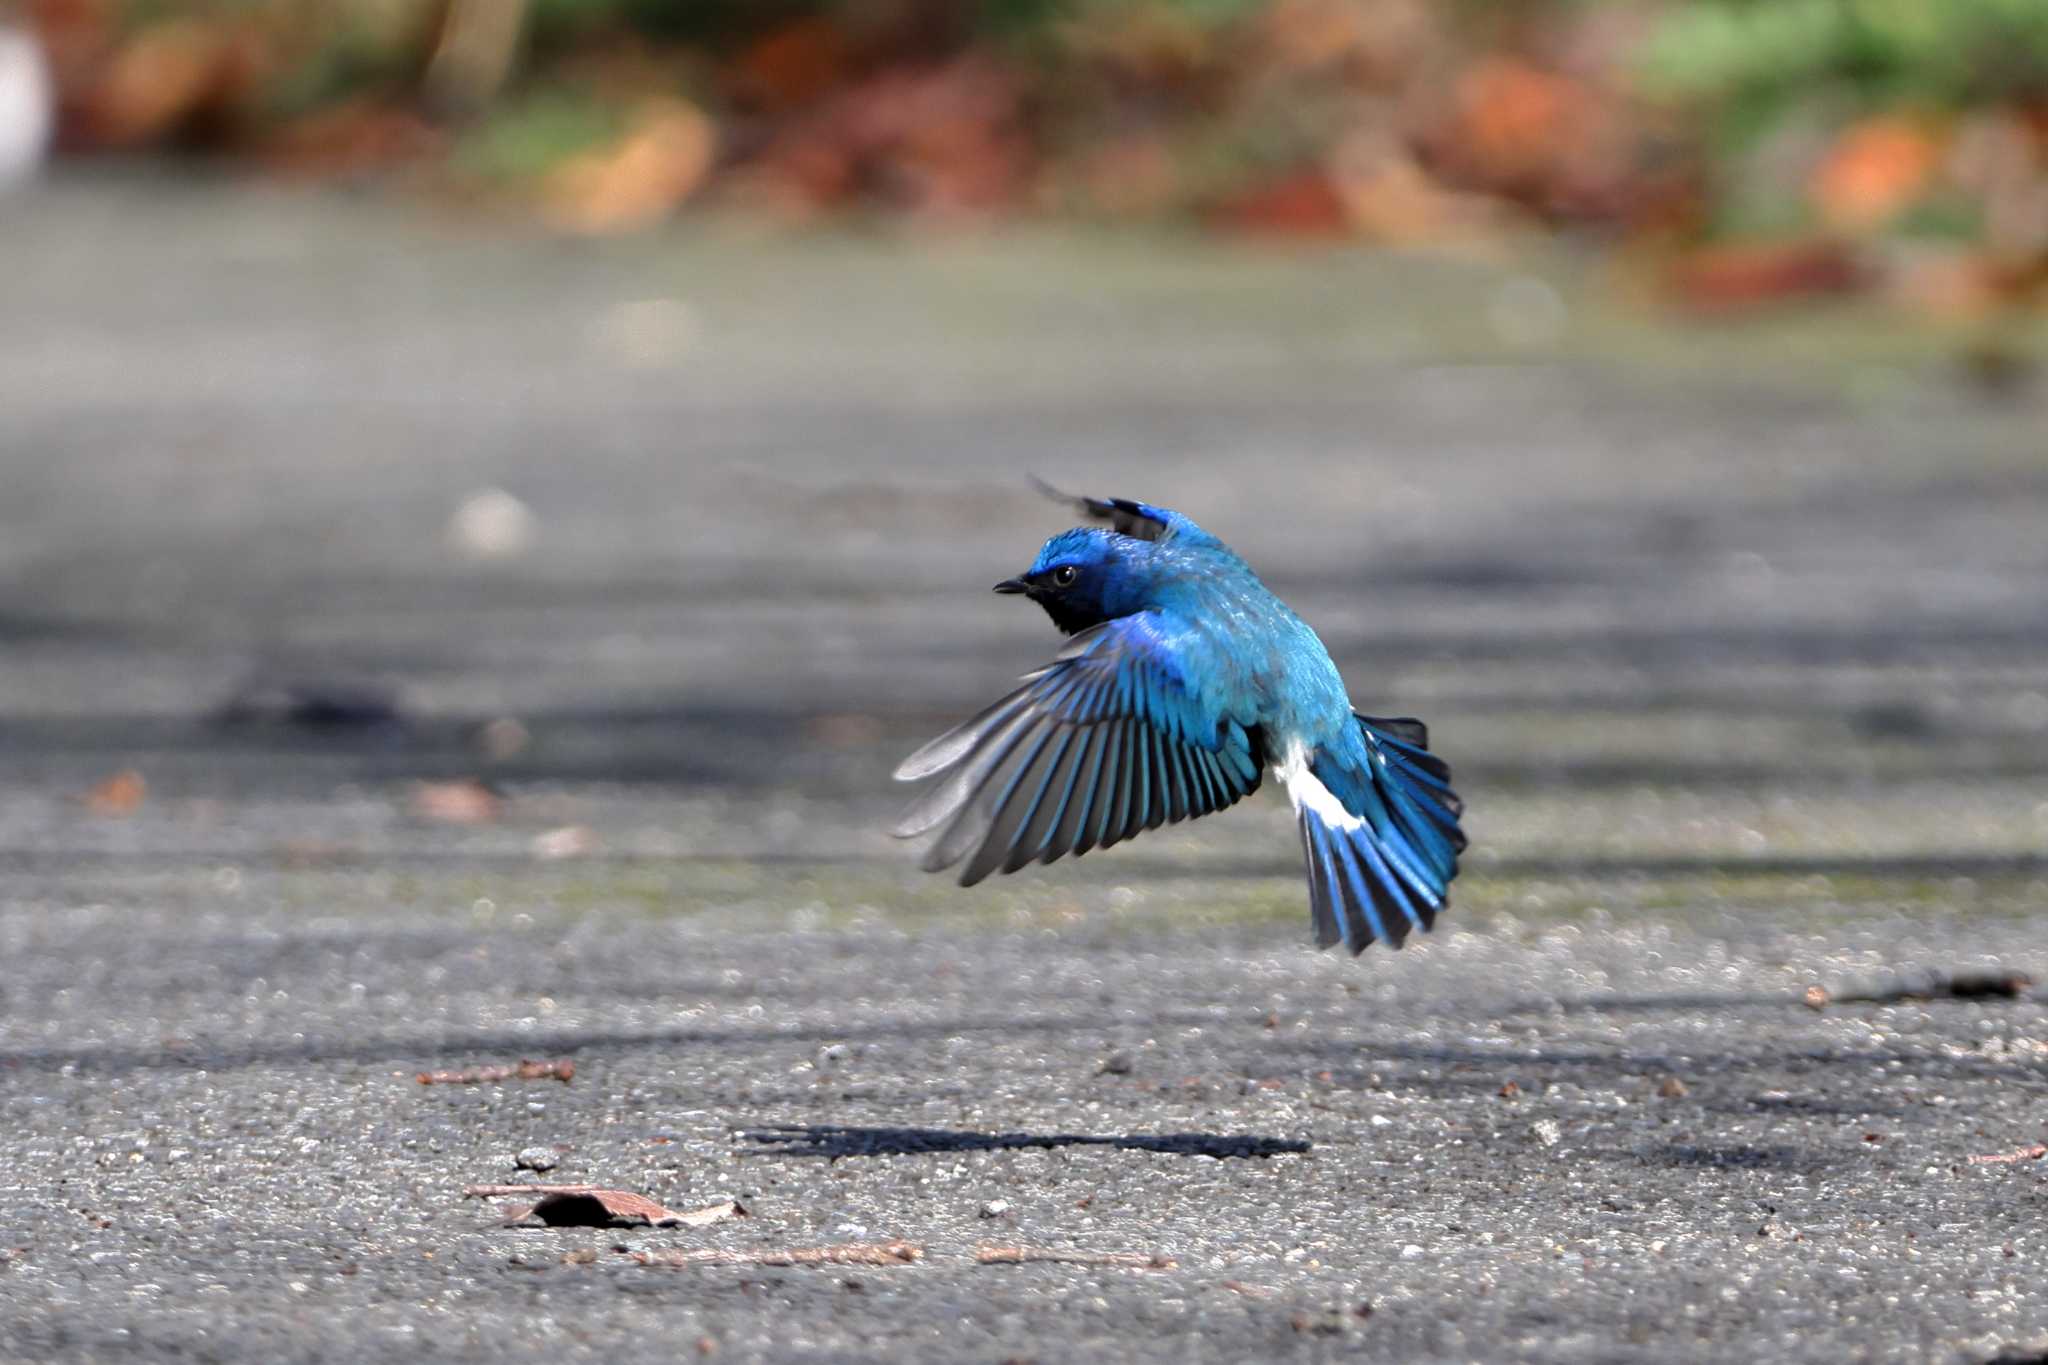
(833,1141)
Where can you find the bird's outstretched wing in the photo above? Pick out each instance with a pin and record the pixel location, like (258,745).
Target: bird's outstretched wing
(1138,520)
(1103,742)
(1379,826)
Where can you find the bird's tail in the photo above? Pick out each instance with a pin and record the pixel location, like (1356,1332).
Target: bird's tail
(1387,871)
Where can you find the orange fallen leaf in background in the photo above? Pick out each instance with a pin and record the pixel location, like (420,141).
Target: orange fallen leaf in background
(1727,278)
(1875,171)
(1387,196)
(795,63)
(1380,40)
(353,138)
(639,180)
(1130,176)
(161,78)
(464,801)
(121,794)
(1304,204)
(1515,120)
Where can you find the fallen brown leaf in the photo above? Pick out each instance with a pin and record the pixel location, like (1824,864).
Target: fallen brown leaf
(563,1070)
(464,801)
(1874,172)
(585,1206)
(795,63)
(354,138)
(637,182)
(1517,123)
(121,794)
(850,1253)
(1305,204)
(1725,278)
(1135,1260)
(160,78)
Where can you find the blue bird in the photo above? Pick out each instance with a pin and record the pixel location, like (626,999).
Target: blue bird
(1183,681)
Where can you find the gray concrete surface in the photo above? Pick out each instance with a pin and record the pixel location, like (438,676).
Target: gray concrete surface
(1737,637)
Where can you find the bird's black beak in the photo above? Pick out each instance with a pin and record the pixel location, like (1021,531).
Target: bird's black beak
(1011,585)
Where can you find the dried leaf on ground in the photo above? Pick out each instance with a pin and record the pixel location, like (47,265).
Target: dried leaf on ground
(121,794)
(585,1206)
(355,138)
(1305,204)
(563,1070)
(1518,127)
(850,1253)
(638,181)
(160,79)
(1874,172)
(1135,1260)
(463,801)
(1724,279)
(793,64)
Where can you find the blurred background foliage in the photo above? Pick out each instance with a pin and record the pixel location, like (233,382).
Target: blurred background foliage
(1747,150)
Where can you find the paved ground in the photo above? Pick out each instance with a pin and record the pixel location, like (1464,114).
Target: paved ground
(1737,638)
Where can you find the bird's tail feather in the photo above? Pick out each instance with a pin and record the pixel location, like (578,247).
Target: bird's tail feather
(1386,873)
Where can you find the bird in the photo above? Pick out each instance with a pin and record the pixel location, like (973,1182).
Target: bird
(1182,683)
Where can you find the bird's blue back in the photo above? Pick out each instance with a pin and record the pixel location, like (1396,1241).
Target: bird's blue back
(1241,652)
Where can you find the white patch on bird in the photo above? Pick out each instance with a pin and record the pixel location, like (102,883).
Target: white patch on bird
(1308,793)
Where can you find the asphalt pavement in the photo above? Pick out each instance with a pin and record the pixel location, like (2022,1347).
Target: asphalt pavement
(425,648)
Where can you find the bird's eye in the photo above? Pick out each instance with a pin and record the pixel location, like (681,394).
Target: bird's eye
(1064,576)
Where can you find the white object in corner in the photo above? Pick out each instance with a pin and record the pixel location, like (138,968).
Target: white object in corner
(26,105)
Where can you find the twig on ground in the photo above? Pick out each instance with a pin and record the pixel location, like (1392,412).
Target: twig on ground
(849,1253)
(1136,1260)
(563,1070)
(1992,985)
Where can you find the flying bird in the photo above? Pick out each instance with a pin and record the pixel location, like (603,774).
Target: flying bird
(1183,681)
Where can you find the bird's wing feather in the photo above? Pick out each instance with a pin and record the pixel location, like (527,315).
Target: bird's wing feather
(1103,742)
(1379,829)
(1138,520)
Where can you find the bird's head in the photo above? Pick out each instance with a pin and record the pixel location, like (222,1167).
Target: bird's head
(1084,577)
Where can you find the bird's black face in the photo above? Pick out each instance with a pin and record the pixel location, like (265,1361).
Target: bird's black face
(1067,591)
